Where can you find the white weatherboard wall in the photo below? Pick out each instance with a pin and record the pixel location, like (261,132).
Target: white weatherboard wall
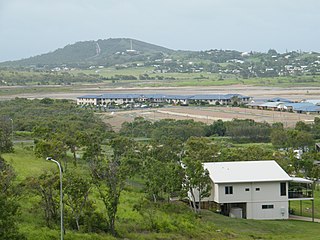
(269,191)
(268,194)
(255,211)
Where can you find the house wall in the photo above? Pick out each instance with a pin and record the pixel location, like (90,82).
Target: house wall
(268,194)
(86,101)
(268,191)
(279,210)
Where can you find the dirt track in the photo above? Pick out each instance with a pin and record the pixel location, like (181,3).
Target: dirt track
(206,115)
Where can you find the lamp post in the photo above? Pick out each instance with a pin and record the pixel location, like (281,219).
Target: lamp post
(61,194)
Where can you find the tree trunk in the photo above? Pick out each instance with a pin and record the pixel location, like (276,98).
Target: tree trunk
(77,222)
(74,157)
(193,200)
(199,208)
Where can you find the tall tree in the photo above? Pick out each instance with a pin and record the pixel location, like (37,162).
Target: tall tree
(197,180)
(76,190)
(110,174)
(8,204)
(47,187)
(6,144)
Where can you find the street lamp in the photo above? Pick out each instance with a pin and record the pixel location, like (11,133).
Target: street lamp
(61,194)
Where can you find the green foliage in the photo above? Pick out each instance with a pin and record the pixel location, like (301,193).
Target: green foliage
(109,176)
(76,190)
(138,128)
(216,128)
(47,187)
(177,129)
(248,131)
(197,180)
(162,179)
(8,204)
(6,144)
(28,115)
(291,138)
(23,77)
(247,153)
(172,221)
(163,129)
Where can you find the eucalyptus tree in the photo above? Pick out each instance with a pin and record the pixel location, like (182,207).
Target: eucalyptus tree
(9,207)
(197,181)
(110,173)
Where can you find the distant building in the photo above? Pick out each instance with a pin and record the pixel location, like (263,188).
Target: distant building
(213,99)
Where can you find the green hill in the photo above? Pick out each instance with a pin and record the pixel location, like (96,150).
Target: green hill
(302,68)
(102,52)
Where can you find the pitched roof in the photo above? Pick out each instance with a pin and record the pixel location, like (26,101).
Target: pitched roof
(313,101)
(246,171)
(119,96)
(298,105)
(313,108)
(279,99)
(271,104)
(217,97)
(90,96)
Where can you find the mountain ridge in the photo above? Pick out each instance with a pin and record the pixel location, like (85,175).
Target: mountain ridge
(101,51)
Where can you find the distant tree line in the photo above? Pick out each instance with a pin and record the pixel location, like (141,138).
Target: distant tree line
(14,77)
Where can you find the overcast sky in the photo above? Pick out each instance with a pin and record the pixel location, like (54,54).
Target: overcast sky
(32,27)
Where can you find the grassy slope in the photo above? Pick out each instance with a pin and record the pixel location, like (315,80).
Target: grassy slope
(175,220)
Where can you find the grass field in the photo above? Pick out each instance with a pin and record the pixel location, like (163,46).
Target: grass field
(176,79)
(174,221)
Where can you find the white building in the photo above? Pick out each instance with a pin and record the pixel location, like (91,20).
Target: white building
(255,189)
(120,99)
(88,100)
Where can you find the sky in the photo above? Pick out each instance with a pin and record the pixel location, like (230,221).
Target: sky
(33,27)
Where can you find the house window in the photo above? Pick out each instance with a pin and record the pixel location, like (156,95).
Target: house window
(283,189)
(267,206)
(228,190)
(257,189)
(247,189)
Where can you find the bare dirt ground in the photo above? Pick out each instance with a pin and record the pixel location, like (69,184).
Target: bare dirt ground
(206,115)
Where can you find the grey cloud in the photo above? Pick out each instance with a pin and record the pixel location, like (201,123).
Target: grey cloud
(37,26)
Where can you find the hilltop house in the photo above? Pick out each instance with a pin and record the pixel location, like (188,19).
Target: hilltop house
(254,189)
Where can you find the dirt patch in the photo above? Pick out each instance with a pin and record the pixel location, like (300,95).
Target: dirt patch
(206,115)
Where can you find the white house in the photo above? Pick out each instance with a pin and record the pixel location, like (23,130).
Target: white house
(254,189)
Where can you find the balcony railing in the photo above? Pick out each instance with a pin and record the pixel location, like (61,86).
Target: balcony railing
(300,193)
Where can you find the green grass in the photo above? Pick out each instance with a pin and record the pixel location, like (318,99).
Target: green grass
(174,220)
(181,80)
(25,163)
(306,209)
